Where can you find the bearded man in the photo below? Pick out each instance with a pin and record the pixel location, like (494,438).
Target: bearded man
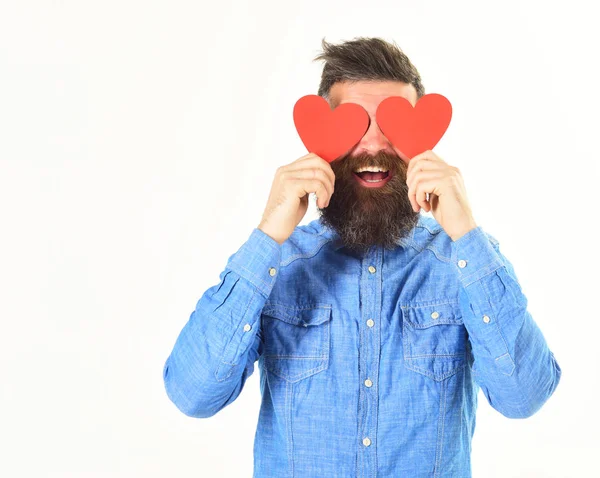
(374,326)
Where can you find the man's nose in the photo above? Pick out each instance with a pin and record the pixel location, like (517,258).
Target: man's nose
(373,140)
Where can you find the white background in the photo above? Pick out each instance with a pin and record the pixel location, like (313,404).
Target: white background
(138,143)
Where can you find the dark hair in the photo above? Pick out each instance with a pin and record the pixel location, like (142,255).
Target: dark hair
(366,59)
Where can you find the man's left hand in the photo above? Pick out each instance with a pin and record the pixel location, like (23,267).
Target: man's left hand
(428,173)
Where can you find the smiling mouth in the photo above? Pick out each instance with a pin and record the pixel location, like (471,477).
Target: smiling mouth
(372,179)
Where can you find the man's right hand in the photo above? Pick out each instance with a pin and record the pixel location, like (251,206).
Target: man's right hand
(288,199)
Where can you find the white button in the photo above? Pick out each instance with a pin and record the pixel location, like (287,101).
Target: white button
(368,383)
(372,269)
(366,442)
(462,263)
(272,271)
(370,323)
(435,315)
(486,319)
(247,327)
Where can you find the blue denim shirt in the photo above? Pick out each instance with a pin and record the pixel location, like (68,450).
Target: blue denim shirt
(369,367)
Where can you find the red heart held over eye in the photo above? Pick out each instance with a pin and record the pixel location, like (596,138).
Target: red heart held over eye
(414,130)
(329,133)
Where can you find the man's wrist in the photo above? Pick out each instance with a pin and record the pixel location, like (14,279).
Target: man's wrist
(456,235)
(264,228)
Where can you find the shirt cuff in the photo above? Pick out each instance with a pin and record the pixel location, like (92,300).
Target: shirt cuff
(475,256)
(257,261)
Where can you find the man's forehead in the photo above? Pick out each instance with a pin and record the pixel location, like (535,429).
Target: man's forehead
(370,92)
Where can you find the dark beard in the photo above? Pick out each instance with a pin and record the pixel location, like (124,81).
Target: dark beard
(366,217)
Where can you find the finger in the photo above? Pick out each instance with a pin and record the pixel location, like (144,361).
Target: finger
(419,164)
(326,167)
(424,175)
(302,160)
(428,154)
(422,189)
(422,200)
(426,170)
(420,185)
(312,174)
(420,177)
(320,190)
(306,156)
(413,196)
(425,155)
(416,163)
(302,187)
(314,162)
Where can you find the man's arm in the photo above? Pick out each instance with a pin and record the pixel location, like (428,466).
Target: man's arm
(513,364)
(215,351)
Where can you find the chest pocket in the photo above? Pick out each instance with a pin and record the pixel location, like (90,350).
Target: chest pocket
(434,339)
(296,339)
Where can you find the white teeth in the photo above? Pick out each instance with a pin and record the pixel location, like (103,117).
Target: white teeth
(372,169)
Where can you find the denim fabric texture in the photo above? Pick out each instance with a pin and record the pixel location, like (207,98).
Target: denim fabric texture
(369,366)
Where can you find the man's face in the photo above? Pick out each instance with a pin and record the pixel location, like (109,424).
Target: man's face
(367,214)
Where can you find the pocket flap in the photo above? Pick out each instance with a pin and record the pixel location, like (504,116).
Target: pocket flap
(299,315)
(423,316)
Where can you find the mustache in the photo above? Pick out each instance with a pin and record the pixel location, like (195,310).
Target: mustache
(382,159)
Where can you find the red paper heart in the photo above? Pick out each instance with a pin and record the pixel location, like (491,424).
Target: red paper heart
(329,133)
(414,130)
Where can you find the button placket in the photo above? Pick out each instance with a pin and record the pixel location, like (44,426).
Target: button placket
(371,298)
